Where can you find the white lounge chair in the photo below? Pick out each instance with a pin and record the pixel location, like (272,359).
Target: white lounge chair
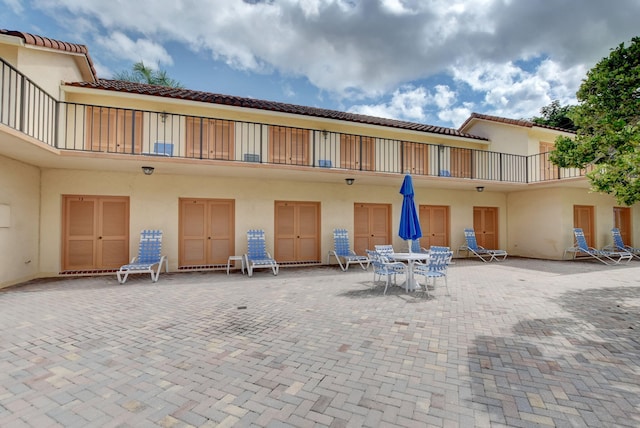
(484,254)
(605,256)
(257,255)
(149,256)
(619,245)
(343,253)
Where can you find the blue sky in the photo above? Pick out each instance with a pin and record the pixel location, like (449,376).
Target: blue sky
(431,61)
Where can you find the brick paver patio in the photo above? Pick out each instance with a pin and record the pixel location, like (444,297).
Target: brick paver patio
(519,343)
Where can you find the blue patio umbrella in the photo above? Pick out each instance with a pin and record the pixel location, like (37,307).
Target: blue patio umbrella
(409,222)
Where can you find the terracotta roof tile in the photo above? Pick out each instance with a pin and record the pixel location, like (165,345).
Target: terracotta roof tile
(517,122)
(32,39)
(230,100)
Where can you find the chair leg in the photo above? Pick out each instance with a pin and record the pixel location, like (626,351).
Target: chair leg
(340,263)
(426,286)
(122,280)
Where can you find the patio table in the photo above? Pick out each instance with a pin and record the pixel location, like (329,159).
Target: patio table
(410,283)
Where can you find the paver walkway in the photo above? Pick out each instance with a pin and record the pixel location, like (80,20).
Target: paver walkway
(519,343)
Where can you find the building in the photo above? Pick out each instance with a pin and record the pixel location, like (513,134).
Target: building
(87,163)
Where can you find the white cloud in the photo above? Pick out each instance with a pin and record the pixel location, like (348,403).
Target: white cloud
(14,5)
(443,97)
(509,90)
(409,103)
(149,52)
(456,115)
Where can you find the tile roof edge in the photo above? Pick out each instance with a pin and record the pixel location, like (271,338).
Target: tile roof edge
(517,122)
(35,40)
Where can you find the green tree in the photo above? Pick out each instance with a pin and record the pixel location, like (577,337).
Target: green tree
(556,115)
(607,117)
(140,73)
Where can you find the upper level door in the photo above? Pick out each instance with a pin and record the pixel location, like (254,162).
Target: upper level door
(114,130)
(209,138)
(485,224)
(415,158)
(372,226)
(288,145)
(434,221)
(461,162)
(548,171)
(357,152)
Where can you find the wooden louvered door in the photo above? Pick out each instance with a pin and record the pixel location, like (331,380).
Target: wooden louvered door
(583,217)
(622,220)
(207,232)
(485,224)
(548,171)
(434,221)
(114,130)
(415,158)
(357,152)
(95,232)
(297,232)
(372,226)
(461,162)
(288,145)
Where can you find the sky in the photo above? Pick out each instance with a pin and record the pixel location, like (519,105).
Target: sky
(427,61)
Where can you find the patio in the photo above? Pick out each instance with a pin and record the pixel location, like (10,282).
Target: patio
(518,343)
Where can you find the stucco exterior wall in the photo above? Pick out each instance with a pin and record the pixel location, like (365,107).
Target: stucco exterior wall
(154,204)
(19,220)
(541,221)
(504,138)
(9,53)
(48,69)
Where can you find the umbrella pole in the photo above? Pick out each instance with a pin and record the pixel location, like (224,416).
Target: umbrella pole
(409,241)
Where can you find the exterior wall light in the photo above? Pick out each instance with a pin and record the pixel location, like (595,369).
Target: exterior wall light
(148,170)
(480,188)
(349,181)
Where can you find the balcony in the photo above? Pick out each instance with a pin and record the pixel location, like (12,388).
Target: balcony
(28,109)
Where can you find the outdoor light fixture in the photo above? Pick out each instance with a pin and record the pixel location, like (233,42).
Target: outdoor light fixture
(480,188)
(148,170)
(163,116)
(349,181)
